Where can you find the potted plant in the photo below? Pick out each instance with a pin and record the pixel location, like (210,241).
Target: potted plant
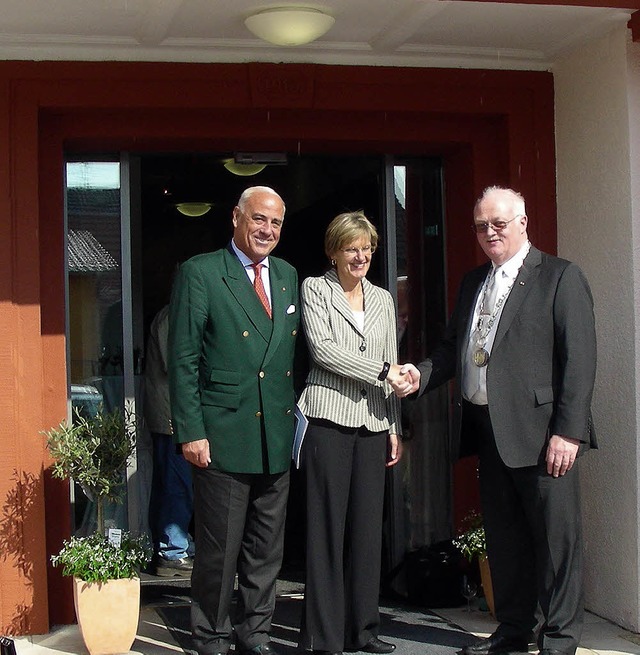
(471,542)
(94,451)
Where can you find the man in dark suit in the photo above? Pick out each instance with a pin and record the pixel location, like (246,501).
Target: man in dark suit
(233,322)
(521,346)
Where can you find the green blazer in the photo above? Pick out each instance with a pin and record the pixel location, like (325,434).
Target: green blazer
(230,366)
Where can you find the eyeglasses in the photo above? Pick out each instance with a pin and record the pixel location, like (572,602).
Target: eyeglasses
(352,252)
(498,226)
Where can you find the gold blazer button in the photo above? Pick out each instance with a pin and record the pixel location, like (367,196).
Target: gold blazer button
(258,414)
(245,333)
(288,411)
(261,374)
(288,373)
(294,333)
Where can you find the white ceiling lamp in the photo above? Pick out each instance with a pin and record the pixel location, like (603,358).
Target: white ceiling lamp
(193,209)
(290,26)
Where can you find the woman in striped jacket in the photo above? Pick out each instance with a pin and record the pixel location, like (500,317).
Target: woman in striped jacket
(353,433)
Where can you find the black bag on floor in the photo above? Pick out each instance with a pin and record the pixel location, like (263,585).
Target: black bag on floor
(7,647)
(434,576)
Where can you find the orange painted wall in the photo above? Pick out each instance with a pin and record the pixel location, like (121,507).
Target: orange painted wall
(489,127)
(23,595)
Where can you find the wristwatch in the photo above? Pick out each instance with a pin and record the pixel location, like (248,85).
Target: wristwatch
(384,372)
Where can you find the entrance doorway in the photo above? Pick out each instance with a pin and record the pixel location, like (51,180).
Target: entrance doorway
(402,196)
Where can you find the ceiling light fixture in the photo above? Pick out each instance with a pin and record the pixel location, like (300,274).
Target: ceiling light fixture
(243,169)
(193,209)
(290,26)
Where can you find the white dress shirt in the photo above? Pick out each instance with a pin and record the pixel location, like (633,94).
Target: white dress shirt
(474,378)
(251,272)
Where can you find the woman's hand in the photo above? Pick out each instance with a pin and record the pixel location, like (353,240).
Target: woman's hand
(394,450)
(404,379)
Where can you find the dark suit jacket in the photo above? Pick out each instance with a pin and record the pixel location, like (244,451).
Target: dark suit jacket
(542,368)
(230,366)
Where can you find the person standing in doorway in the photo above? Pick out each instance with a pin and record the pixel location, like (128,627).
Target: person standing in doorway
(233,322)
(521,344)
(353,433)
(171,507)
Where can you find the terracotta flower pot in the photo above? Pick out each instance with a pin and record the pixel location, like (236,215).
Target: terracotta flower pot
(485,578)
(107,614)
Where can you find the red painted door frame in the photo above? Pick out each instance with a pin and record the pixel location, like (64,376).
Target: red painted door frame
(488,127)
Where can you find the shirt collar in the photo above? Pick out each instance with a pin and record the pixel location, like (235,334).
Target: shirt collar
(244,260)
(511,267)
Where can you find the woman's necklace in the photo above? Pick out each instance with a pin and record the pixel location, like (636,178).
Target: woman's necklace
(356,303)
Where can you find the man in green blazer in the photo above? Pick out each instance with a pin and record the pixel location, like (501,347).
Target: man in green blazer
(234,317)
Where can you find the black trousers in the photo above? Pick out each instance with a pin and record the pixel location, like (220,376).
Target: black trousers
(239,522)
(534,542)
(345,475)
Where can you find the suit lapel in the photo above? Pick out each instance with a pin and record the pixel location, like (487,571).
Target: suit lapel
(468,303)
(527,275)
(373,306)
(339,300)
(240,286)
(280,296)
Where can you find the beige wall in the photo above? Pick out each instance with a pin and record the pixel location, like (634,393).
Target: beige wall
(597,111)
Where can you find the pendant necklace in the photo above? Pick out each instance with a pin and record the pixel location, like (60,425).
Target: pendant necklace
(480,355)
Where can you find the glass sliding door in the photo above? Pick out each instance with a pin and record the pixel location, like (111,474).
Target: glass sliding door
(419,488)
(103,359)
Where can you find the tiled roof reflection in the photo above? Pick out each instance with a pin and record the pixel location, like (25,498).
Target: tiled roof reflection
(87,255)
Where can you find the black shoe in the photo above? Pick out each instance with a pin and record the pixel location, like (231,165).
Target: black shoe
(326,652)
(375,645)
(217,648)
(497,644)
(268,648)
(174,568)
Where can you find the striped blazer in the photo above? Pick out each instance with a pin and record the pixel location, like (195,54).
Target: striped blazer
(342,385)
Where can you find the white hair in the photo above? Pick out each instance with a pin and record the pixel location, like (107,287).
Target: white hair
(516,197)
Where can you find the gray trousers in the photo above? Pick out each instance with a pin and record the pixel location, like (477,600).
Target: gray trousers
(239,520)
(534,543)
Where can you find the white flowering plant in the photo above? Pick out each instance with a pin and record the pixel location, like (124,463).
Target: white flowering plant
(96,559)
(470,541)
(94,451)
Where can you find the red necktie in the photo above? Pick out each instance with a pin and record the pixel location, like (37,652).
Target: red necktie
(259,287)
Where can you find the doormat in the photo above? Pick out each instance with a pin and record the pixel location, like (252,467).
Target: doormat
(414,631)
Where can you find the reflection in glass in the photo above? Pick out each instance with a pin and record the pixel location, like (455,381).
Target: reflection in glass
(95,300)
(420,286)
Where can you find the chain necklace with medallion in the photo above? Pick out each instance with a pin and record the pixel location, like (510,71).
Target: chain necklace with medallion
(480,354)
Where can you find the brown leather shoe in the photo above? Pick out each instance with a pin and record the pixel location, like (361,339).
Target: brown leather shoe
(174,568)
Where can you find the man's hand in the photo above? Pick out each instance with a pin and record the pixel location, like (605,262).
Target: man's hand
(197,452)
(404,379)
(395,450)
(399,381)
(413,375)
(561,454)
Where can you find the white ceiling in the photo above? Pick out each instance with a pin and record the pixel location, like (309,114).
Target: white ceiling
(445,33)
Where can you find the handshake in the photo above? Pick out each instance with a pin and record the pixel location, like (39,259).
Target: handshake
(404,379)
